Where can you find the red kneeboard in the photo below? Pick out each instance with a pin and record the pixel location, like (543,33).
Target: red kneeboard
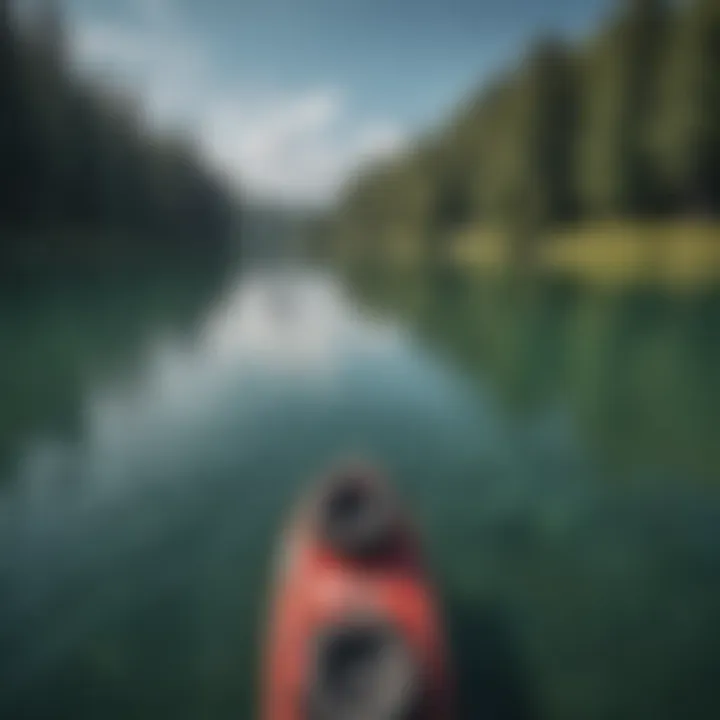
(347,581)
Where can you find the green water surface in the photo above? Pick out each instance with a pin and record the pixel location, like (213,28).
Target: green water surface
(559,446)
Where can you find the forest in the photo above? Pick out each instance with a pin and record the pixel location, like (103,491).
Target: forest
(86,180)
(620,126)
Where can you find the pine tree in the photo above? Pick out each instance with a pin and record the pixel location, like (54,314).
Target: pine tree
(546,132)
(618,103)
(688,125)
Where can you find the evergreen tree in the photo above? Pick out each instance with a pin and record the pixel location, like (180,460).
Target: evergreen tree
(688,124)
(545,131)
(618,104)
(82,171)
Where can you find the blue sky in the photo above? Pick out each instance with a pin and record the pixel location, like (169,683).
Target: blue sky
(288,96)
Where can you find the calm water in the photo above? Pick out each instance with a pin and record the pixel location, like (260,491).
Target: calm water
(560,447)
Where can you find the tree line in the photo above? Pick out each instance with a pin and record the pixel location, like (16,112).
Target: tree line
(83,175)
(625,124)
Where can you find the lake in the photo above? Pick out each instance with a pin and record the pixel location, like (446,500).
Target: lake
(558,444)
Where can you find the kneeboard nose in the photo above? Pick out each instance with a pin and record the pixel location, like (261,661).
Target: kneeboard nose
(354,632)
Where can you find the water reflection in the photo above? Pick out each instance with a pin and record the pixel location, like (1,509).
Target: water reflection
(636,369)
(135,551)
(57,339)
(290,320)
(580,580)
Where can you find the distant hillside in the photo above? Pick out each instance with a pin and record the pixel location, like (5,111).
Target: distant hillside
(84,179)
(625,125)
(274,231)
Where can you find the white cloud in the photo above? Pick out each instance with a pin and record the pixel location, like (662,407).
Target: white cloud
(297,146)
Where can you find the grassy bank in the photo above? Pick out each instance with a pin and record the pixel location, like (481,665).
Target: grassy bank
(665,253)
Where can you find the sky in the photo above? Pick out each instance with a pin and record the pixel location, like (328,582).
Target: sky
(290,97)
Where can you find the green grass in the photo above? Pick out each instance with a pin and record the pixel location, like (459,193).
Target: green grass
(625,253)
